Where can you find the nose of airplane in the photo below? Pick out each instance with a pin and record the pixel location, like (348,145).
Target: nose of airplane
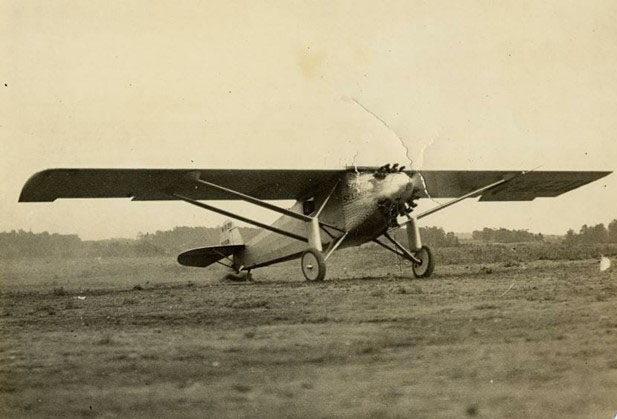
(408,185)
(402,185)
(414,184)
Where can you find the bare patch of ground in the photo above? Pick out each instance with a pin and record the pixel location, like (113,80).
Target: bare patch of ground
(532,339)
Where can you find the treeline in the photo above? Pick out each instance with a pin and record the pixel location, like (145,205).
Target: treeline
(19,244)
(503,235)
(180,239)
(24,244)
(16,244)
(593,234)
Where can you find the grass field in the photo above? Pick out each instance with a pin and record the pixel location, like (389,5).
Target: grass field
(139,338)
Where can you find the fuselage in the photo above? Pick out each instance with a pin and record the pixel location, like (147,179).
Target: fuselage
(362,204)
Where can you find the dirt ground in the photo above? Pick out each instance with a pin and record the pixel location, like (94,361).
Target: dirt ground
(126,340)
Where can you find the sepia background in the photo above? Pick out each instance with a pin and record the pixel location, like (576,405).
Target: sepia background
(511,324)
(449,84)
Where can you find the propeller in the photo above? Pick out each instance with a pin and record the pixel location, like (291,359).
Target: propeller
(384,170)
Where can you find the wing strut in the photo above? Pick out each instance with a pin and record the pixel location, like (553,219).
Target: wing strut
(334,245)
(239,217)
(468,195)
(405,253)
(393,250)
(323,204)
(194,177)
(252,200)
(313,225)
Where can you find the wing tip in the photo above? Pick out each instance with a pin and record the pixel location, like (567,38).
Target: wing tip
(31,192)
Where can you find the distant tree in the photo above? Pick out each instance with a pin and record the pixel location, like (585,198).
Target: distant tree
(503,235)
(451,239)
(433,236)
(571,237)
(600,233)
(595,234)
(612,231)
(438,237)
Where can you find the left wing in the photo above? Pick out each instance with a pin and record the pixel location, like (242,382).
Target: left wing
(520,186)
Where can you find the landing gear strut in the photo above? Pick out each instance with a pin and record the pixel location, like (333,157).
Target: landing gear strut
(313,265)
(421,256)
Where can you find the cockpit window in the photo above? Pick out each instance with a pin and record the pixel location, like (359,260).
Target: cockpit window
(308,206)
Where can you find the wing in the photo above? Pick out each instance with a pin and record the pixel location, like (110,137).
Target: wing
(153,184)
(521,186)
(205,256)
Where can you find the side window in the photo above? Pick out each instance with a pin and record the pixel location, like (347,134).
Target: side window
(308,206)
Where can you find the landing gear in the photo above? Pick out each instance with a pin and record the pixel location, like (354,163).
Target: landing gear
(313,265)
(425,268)
(423,262)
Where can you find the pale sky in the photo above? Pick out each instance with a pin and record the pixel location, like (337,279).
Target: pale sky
(475,84)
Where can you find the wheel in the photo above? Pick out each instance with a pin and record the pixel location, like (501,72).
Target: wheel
(427,266)
(313,265)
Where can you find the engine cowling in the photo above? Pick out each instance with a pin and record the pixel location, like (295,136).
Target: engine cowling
(401,193)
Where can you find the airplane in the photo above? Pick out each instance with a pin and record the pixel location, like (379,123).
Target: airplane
(333,209)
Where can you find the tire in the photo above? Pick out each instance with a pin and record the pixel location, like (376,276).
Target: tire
(426,268)
(313,265)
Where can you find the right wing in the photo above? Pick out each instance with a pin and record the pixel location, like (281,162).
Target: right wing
(153,184)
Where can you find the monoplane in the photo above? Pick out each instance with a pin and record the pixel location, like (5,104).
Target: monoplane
(334,209)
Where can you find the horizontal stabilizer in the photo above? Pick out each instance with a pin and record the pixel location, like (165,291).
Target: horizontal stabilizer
(205,256)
